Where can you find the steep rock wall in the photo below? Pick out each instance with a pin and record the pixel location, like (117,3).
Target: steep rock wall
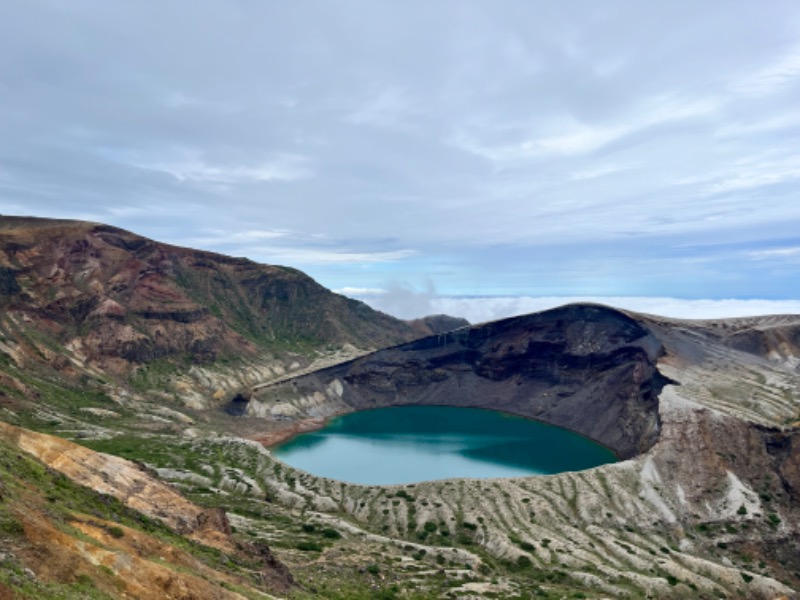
(584,367)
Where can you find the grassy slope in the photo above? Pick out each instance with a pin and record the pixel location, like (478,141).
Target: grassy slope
(42,513)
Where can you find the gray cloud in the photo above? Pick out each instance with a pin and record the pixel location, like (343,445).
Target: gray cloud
(494,148)
(399,299)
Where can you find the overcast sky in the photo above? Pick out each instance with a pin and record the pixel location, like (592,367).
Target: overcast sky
(505,148)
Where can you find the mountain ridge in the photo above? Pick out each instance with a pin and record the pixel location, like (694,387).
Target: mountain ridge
(113,342)
(213,302)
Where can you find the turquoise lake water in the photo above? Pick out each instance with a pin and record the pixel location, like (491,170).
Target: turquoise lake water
(408,444)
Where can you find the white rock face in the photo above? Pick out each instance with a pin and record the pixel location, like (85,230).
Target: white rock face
(336,388)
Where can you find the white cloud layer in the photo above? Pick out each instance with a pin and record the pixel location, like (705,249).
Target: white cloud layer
(479,310)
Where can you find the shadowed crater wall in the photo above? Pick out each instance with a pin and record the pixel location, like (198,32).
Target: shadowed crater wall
(588,368)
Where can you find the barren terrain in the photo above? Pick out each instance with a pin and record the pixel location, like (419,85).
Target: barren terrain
(704,415)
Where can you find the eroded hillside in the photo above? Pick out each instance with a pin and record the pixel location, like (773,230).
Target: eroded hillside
(705,411)
(96,318)
(89,299)
(75,523)
(170,358)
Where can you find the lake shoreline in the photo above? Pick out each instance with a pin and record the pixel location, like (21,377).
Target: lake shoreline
(273,438)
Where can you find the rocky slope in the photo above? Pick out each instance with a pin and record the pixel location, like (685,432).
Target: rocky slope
(117,300)
(433,324)
(125,538)
(707,413)
(704,414)
(92,307)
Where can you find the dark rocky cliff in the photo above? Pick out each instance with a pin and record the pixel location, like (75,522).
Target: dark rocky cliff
(438,324)
(588,368)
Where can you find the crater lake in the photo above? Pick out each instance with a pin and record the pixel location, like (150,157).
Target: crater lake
(410,444)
